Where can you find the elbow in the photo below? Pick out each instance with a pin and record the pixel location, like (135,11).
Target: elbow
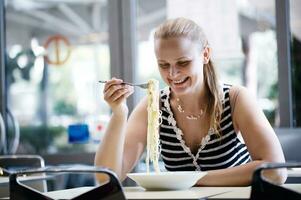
(102,178)
(280,176)
(276,176)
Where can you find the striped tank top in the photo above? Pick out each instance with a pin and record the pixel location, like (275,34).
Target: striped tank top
(215,152)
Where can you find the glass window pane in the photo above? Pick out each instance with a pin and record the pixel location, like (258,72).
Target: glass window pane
(57,52)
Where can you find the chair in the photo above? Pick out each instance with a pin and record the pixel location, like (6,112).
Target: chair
(264,189)
(14,163)
(109,190)
(290,140)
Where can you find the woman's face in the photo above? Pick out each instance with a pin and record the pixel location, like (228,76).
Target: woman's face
(180,64)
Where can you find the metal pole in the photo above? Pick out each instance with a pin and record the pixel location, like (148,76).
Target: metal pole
(122,29)
(284,64)
(3,96)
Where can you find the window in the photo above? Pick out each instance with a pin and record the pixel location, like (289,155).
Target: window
(57,52)
(243,54)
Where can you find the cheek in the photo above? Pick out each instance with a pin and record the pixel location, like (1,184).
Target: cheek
(196,68)
(163,73)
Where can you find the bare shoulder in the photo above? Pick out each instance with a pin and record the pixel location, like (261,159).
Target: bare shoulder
(235,91)
(240,95)
(243,105)
(140,111)
(137,123)
(142,105)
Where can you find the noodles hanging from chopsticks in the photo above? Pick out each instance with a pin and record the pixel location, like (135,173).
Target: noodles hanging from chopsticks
(154,119)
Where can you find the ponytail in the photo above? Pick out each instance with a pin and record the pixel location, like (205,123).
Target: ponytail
(214,107)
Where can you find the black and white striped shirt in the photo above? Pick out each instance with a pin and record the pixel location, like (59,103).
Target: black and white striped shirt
(215,152)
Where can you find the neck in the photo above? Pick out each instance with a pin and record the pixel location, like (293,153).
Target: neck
(193,101)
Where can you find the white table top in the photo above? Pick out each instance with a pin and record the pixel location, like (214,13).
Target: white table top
(140,193)
(244,192)
(5,180)
(192,193)
(294,172)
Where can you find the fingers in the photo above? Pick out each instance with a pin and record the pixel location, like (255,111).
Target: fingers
(119,93)
(113,81)
(115,91)
(119,98)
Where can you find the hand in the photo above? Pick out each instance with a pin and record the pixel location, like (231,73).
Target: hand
(116,93)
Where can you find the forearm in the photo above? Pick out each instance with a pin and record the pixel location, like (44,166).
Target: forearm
(110,151)
(239,176)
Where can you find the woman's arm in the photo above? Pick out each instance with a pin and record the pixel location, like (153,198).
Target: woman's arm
(124,140)
(135,139)
(260,139)
(109,152)
(234,176)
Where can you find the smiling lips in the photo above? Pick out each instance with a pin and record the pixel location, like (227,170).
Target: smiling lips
(179,81)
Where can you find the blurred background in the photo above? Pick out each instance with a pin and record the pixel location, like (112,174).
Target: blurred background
(53,52)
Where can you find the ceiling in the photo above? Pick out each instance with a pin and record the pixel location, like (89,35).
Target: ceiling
(86,20)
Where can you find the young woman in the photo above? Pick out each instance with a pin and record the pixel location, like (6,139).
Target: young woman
(206,125)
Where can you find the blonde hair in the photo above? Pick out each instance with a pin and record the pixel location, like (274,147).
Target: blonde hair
(181,27)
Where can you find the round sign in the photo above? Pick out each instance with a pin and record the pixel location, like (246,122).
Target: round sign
(58,50)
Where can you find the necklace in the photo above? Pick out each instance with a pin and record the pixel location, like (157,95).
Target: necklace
(189,117)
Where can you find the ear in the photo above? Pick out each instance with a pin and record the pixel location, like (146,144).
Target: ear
(206,54)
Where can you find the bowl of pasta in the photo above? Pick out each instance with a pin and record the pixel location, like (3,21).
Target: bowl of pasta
(167,180)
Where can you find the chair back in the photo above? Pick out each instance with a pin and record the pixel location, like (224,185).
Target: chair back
(13,163)
(264,189)
(290,140)
(109,190)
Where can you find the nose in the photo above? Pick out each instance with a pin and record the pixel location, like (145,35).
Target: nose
(173,71)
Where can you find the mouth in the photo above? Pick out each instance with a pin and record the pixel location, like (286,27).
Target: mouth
(180,81)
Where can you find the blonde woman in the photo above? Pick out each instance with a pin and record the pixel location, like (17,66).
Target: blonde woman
(206,125)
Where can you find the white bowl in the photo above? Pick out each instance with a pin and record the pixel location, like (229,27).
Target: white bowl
(167,180)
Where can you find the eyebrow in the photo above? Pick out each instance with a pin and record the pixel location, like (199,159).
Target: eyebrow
(183,57)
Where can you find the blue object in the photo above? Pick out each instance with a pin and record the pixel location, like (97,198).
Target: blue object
(78,133)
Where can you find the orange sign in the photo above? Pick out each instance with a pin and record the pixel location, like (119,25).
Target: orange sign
(58,50)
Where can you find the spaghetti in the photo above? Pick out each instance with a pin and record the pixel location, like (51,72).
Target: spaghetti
(154,118)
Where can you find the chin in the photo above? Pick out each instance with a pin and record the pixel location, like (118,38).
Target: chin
(180,91)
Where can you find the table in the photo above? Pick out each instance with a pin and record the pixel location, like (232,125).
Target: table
(38,182)
(244,192)
(5,180)
(133,193)
(191,193)
(294,172)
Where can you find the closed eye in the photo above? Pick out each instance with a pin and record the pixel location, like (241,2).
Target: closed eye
(163,66)
(183,63)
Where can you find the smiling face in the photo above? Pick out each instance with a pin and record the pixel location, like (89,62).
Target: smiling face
(180,64)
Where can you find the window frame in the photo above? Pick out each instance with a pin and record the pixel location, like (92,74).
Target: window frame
(284,64)
(123,53)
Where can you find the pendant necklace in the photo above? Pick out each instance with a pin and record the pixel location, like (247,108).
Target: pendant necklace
(189,117)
